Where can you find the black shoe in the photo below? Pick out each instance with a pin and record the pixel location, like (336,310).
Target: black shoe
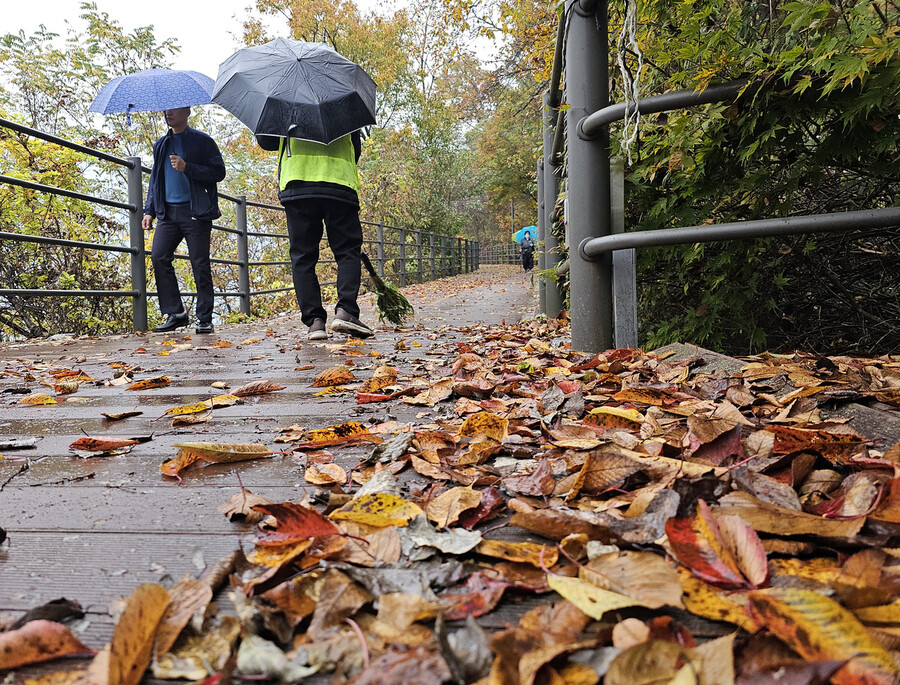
(204,328)
(350,325)
(172,322)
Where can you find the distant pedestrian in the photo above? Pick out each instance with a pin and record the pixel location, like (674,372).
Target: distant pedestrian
(319,184)
(527,250)
(182,194)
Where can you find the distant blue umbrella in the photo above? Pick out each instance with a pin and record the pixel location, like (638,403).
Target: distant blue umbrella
(518,235)
(153,90)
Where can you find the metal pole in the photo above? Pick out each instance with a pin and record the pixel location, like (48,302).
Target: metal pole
(243,253)
(136,236)
(379,245)
(444,268)
(512,216)
(433,256)
(402,257)
(419,256)
(458,264)
(541,234)
(624,270)
(587,90)
(550,252)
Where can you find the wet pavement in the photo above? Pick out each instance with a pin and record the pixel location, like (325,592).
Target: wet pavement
(92,529)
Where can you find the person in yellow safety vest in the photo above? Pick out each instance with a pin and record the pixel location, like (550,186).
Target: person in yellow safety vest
(319,184)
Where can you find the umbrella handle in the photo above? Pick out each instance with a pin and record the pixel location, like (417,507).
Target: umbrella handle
(287,140)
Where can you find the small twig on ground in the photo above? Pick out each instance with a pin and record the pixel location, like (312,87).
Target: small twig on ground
(22,469)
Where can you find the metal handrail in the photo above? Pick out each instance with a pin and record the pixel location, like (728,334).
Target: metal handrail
(453,253)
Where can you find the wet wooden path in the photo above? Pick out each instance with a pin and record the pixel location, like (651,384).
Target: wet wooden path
(93,529)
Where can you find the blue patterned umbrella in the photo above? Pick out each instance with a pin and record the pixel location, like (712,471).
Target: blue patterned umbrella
(518,235)
(154,90)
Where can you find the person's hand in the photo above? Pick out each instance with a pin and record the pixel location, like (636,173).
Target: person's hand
(147,222)
(177,162)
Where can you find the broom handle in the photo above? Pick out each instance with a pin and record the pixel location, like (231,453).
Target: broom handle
(368,263)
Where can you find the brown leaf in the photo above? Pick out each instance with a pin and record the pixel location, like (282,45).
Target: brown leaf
(381,378)
(260,387)
(538,483)
(240,507)
(38,641)
(436,393)
(187,598)
(295,522)
(89,444)
(446,508)
(336,375)
(325,474)
(539,556)
(121,415)
(640,575)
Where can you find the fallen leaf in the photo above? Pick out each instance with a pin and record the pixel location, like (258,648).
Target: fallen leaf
(121,415)
(820,629)
(148,383)
(324,474)
(260,387)
(539,556)
(485,424)
(378,510)
(187,598)
(336,375)
(221,452)
(446,508)
(89,444)
(38,641)
(589,598)
(131,648)
(240,507)
(295,523)
(37,399)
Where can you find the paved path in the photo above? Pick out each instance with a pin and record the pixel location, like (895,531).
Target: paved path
(92,529)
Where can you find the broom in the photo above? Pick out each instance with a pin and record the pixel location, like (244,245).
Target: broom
(392,306)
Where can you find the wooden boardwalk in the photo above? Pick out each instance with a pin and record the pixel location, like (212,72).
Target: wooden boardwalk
(93,529)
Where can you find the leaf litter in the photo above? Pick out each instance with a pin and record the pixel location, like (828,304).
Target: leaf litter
(664,524)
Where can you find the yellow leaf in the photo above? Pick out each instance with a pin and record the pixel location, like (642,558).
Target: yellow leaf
(589,598)
(382,378)
(379,510)
(218,452)
(520,552)
(330,390)
(132,640)
(818,628)
(706,601)
(37,399)
(487,424)
(278,555)
(885,613)
(147,383)
(225,401)
(189,409)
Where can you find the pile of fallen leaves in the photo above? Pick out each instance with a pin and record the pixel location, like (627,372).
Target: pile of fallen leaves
(635,519)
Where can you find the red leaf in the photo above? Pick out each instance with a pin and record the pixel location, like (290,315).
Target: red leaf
(295,522)
(697,543)
(477,597)
(539,482)
(491,503)
(367,397)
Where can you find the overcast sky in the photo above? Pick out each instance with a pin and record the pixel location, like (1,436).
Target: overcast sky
(207,32)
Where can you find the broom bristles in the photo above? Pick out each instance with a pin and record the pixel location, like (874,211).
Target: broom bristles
(391,304)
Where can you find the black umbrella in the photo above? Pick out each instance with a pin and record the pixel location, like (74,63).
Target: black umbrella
(289,88)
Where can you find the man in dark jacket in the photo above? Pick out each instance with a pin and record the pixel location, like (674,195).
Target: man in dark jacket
(182,194)
(319,184)
(527,249)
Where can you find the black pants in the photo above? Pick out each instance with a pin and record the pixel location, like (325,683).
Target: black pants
(170,231)
(528,260)
(304,223)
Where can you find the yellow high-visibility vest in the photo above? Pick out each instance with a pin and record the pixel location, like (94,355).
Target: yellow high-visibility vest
(333,163)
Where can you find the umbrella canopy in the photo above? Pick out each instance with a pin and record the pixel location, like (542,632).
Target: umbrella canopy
(518,235)
(290,88)
(154,90)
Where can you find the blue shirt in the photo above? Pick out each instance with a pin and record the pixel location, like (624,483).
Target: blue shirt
(178,191)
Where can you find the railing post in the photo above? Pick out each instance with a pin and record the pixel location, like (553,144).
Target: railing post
(379,248)
(243,253)
(433,256)
(444,268)
(136,236)
(624,272)
(541,235)
(553,295)
(419,274)
(402,257)
(457,258)
(587,90)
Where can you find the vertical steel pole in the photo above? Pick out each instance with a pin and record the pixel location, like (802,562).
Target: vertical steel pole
(243,253)
(402,257)
(587,90)
(433,256)
(136,236)
(541,234)
(553,304)
(624,272)
(419,264)
(379,246)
